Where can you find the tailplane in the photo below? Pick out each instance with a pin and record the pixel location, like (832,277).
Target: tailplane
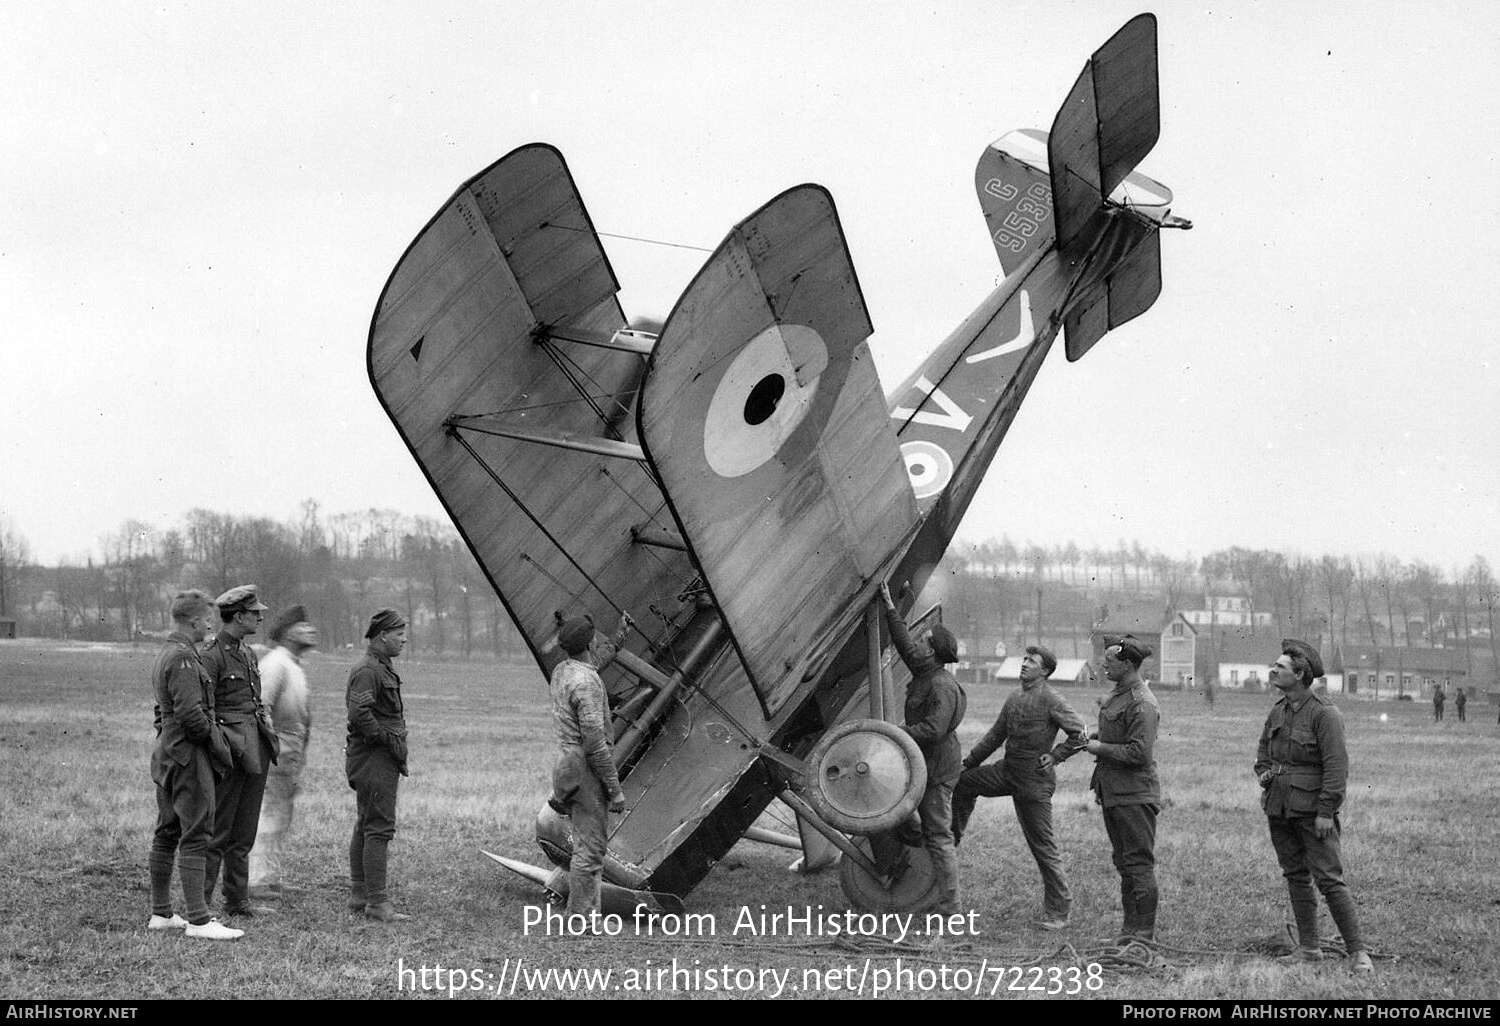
(1109,122)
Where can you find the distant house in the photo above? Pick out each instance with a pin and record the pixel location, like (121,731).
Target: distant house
(1242,658)
(1227,611)
(1178,653)
(1145,620)
(1386,671)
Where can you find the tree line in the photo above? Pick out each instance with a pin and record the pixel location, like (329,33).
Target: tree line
(344,566)
(341,567)
(1035,591)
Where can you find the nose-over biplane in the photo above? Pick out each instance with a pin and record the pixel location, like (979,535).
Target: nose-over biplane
(740,484)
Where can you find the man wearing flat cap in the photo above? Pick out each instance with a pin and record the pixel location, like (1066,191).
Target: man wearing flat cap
(190,750)
(375,762)
(231,665)
(284,693)
(1027,726)
(1303,767)
(935,706)
(1125,783)
(585,781)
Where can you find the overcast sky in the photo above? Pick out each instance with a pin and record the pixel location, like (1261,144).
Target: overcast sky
(202,203)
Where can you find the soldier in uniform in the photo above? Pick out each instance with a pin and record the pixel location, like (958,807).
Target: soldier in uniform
(584,779)
(1303,766)
(1027,725)
(935,705)
(189,750)
(231,665)
(1125,783)
(374,761)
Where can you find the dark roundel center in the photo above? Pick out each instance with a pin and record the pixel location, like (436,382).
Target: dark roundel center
(763,398)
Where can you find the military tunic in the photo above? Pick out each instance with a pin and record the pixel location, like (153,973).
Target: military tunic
(1304,765)
(935,706)
(231,665)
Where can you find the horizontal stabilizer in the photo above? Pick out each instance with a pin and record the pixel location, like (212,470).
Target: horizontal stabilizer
(1107,125)
(1127,292)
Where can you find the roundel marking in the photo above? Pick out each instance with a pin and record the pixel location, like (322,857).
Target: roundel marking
(764,395)
(929,466)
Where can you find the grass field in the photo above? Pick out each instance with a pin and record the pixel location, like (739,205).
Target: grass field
(1421,836)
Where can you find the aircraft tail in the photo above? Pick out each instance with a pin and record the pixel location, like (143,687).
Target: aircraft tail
(1109,122)
(1015,193)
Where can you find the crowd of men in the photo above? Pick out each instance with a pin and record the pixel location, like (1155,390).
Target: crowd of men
(232,729)
(1301,764)
(232,736)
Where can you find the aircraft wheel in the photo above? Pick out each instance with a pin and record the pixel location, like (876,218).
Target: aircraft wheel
(865,776)
(913,888)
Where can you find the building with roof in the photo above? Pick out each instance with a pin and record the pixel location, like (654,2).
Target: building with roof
(1391,671)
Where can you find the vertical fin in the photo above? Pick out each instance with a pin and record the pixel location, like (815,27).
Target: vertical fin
(1107,125)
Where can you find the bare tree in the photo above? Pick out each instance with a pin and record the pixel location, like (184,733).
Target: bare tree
(1366,585)
(15,558)
(213,543)
(1487,590)
(1387,574)
(131,566)
(1423,584)
(1336,575)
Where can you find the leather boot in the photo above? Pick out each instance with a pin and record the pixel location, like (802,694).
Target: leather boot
(385,913)
(161,883)
(356,896)
(1305,914)
(1127,904)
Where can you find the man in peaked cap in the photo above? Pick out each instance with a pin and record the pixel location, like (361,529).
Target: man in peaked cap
(1303,766)
(1125,783)
(935,706)
(284,692)
(585,780)
(1027,725)
(231,665)
(375,761)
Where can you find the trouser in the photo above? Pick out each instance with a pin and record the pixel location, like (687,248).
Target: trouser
(1132,836)
(1460,714)
(282,784)
(1033,811)
(236,816)
(184,822)
(589,817)
(936,814)
(1307,860)
(374,776)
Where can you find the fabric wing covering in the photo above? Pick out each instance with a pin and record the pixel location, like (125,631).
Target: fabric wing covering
(764,417)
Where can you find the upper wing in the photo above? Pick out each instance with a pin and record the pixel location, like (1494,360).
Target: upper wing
(471,338)
(764,418)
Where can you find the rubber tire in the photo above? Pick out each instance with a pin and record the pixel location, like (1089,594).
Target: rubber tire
(872,805)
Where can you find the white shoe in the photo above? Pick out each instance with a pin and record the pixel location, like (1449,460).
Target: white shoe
(176,922)
(214,930)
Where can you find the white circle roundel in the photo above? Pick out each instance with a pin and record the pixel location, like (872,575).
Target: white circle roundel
(929,466)
(759,401)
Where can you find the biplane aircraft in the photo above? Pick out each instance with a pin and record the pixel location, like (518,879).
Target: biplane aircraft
(740,484)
